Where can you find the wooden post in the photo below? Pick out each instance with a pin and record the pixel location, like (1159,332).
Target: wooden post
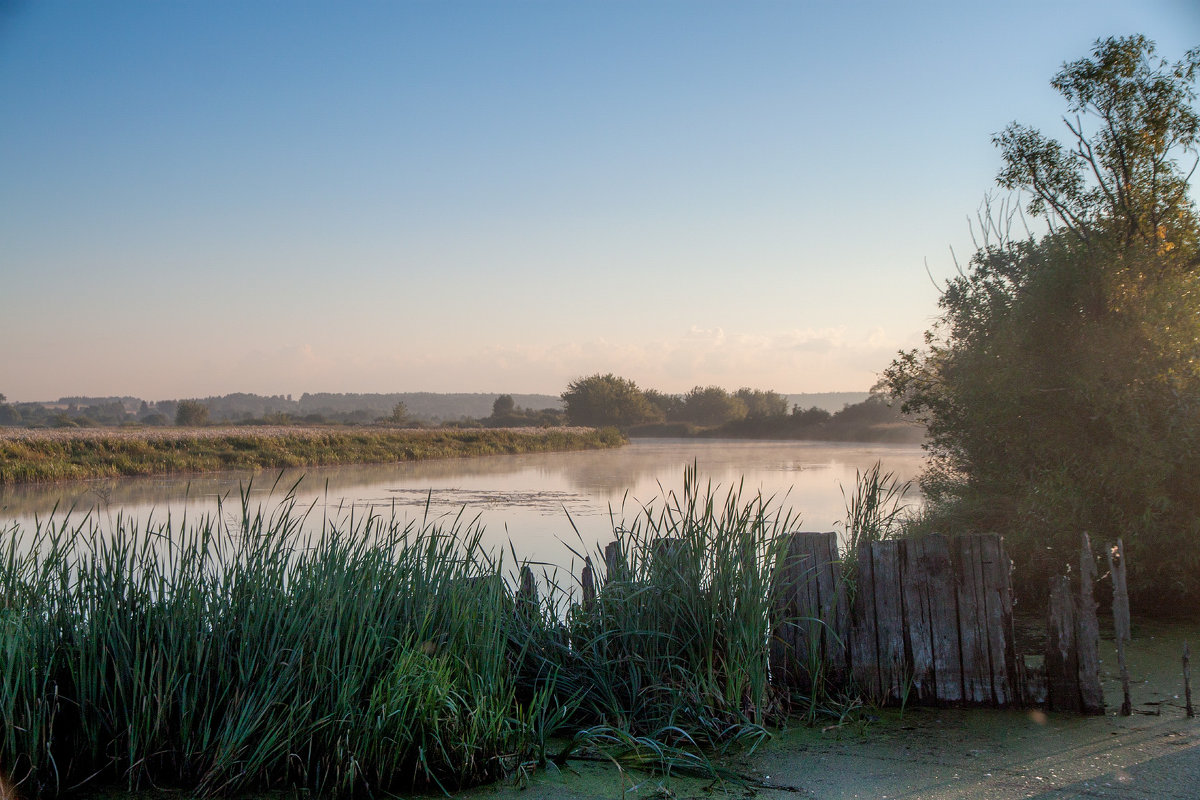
(614,562)
(864,647)
(587,584)
(893,661)
(1062,662)
(1087,634)
(1116,568)
(1187,680)
(527,593)
(996,568)
(814,618)
(972,622)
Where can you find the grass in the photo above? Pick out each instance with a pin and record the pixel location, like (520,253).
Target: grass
(875,510)
(255,650)
(43,456)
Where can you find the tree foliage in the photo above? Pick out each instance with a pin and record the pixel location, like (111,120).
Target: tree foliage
(503,406)
(600,400)
(1061,384)
(711,405)
(191,413)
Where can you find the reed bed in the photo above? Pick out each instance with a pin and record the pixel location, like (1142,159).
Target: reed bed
(254,649)
(35,456)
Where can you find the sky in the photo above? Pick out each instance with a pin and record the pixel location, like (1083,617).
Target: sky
(199,198)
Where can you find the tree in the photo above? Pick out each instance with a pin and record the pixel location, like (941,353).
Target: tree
(600,400)
(763,404)
(1061,384)
(504,406)
(667,406)
(191,413)
(711,405)
(399,414)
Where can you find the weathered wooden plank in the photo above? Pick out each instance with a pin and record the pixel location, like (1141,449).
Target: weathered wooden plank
(1062,661)
(914,580)
(1087,634)
(864,649)
(1187,681)
(615,565)
(996,569)
(816,613)
(943,620)
(972,623)
(891,658)
(527,592)
(831,635)
(790,650)
(841,609)
(1120,610)
(587,584)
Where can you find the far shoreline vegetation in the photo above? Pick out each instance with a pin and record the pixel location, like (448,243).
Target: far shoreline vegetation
(44,456)
(81,438)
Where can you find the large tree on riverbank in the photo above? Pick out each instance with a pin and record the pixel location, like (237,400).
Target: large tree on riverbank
(1061,385)
(600,400)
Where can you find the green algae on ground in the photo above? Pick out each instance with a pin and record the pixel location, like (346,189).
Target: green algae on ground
(955,754)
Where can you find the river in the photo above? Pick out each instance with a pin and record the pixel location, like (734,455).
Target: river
(522,499)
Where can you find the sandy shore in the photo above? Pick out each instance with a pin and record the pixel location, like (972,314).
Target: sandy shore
(948,754)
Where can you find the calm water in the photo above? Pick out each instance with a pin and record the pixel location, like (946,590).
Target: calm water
(525,499)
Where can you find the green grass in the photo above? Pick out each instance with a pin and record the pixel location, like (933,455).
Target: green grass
(255,650)
(65,455)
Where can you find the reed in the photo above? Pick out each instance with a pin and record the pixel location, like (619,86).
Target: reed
(875,510)
(261,649)
(675,646)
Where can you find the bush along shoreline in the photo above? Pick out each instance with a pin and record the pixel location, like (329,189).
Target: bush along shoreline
(368,655)
(41,456)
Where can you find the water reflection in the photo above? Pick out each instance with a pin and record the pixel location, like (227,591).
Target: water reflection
(525,498)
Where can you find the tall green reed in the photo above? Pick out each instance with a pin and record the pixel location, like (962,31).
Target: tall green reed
(218,655)
(875,510)
(675,646)
(359,653)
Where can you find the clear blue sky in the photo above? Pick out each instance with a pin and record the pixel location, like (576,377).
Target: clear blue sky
(207,197)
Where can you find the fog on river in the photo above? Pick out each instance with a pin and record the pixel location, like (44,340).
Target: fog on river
(524,499)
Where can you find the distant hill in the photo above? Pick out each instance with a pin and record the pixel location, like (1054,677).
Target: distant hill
(429,407)
(829,401)
(421,405)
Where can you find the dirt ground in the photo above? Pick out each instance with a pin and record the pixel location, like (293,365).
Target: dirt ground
(946,754)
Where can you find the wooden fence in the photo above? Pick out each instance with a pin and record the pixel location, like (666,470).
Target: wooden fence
(925,621)
(929,621)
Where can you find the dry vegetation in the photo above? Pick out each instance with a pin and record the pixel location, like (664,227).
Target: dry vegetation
(29,456)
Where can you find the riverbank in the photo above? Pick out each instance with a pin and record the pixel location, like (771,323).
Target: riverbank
(953,754)
(758,430)
(40,456)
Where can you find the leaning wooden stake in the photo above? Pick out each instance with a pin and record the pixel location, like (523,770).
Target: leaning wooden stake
(1187,680)
(587,583)
(1116,568)
(527,592)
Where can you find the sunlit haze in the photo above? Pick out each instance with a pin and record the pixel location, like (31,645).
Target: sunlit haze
(202,198)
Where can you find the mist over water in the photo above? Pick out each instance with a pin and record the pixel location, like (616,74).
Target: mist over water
(522,499)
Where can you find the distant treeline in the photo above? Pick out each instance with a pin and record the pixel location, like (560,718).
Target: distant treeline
(354,409)
(704,411)
(601,400)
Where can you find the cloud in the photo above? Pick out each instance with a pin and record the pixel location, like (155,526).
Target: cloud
(792,360)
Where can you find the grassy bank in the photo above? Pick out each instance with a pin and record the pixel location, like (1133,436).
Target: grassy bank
(30,456)
(371,656)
